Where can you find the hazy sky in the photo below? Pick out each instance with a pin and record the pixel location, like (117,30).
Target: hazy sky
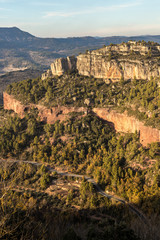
(67,18)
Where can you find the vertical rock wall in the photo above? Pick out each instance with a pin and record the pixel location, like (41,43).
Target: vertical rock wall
(124,123)
(99,66)
(62,65)
(127,60)
(121,122)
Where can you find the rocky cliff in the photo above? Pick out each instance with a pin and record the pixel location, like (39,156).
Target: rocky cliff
(10,103)
(49,115)
(128,60)
(96,65)
(124,123)
(121,122)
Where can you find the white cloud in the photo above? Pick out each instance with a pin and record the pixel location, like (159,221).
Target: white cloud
(93,10)
(66,14)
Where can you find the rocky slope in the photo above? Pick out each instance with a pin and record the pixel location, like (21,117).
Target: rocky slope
(127,60)
(121,122)
(48,115)
(60,66)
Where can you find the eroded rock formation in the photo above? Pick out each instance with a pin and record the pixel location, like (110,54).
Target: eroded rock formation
(49,115)
(128,60)
(62,65)
(124,123)
(100,67)
(121,122)
(10,103)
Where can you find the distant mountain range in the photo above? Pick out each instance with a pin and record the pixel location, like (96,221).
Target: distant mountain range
(14,37)
(20,50)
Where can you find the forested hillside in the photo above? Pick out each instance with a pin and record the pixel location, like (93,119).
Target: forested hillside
(16,76)
(83,145)
(139,98)
(36,201)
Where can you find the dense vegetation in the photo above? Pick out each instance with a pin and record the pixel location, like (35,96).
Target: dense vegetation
(139,98)
(32,206)
(27,212)
(151,53)
(87,145)
(16,76)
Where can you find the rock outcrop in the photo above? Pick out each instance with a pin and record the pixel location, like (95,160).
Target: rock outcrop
(121,122)
(132,47)
(128,61)
(46,74)
(124,123)
(49,115)
(10,103)
(62,65)
(96,65)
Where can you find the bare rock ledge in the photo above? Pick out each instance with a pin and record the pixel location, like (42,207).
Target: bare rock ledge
(121,122)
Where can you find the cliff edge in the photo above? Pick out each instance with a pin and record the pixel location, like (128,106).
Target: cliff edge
(115,62)
(120,121)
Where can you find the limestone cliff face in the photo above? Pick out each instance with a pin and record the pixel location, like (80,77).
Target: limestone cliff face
(10,103)
(46,75)
(62,65)
(124,123)
(97,65)
(131,46)
(121,122)
(126,60)
(50,115)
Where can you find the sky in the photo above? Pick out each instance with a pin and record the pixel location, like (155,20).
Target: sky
(72,18)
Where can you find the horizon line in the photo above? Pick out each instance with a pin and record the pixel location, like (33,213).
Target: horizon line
(83,36)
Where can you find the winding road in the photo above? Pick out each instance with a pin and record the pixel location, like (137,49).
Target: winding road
(89,179)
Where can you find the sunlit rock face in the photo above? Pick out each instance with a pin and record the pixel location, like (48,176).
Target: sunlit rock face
(63,65)
(124,123)
(98,66)
(113,63)
(120,121)
(128,61)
